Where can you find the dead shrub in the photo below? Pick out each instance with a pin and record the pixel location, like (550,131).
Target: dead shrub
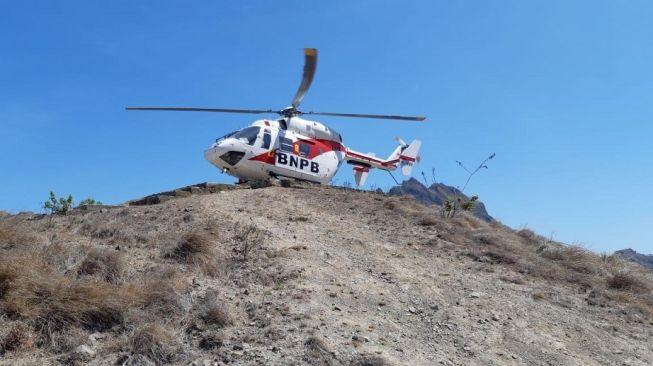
(19,337)
(190,246)
(513,280)
(61,258)
(529,236)
(317,352)
(427,221)
(156,343)
(164,287)
(624,281)
(196,249)
(487,238)
(298,219)
(539,296)
(247,237)
(213,312)
(105,264)
(406,205)
(217,315)
(107,233)
(496,257)
(369,360)
(64,341)
(211,341)
(389,204)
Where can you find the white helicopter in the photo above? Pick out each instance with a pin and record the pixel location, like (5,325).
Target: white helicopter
(295,148)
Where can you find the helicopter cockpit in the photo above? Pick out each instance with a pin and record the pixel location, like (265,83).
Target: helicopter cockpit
(247,135)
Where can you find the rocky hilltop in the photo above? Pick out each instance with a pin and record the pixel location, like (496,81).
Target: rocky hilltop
(645,260)
(436,194)
(217,275)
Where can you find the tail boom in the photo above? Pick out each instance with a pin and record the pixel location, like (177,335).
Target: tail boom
(404,156)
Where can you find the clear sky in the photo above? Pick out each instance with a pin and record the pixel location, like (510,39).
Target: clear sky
(562,91)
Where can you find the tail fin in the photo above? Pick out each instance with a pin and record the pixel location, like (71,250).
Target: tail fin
(409,157)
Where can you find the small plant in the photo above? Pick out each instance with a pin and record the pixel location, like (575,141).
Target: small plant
(458,203)
(89,202)
(59,205)
(452,206)
(247,237)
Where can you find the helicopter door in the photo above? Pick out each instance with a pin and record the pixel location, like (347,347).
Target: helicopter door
(286,161)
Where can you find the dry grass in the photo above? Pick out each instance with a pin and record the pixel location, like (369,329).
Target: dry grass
(195,248)
(157,343)
(215,313)
(626,281)
(530,237)
(31,290)
(317,353)
(108,265)
(13,235)
(404,205)
(18,337)
(532,255)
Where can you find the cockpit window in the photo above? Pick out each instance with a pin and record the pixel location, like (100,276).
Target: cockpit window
(247,135)
(225,136)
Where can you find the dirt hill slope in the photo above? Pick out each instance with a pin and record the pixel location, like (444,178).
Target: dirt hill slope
(319,275)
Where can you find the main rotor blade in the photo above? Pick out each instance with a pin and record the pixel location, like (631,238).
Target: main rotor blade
(377,116)
(310,63)
(188,109)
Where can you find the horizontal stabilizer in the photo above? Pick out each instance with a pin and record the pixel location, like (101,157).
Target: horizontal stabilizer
(360,174)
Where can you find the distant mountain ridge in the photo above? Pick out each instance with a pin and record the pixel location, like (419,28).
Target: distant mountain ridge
(645,260)
(436,194)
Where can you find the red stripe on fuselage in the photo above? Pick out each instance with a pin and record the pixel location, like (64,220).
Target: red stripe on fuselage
(267,157)
(318,147)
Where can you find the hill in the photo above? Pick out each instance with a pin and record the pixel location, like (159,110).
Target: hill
(307,275)
(436,194)
(631,255)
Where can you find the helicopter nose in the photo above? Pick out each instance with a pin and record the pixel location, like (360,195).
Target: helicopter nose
(223,155)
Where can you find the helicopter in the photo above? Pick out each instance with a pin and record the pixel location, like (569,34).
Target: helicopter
(294,148)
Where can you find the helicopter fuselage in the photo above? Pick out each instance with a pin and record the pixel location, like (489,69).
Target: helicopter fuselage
(292,148)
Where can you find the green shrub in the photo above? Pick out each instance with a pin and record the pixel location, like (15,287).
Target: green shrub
(59,205)
(88,202)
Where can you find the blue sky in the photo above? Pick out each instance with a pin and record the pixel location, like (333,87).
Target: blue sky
(562,91)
